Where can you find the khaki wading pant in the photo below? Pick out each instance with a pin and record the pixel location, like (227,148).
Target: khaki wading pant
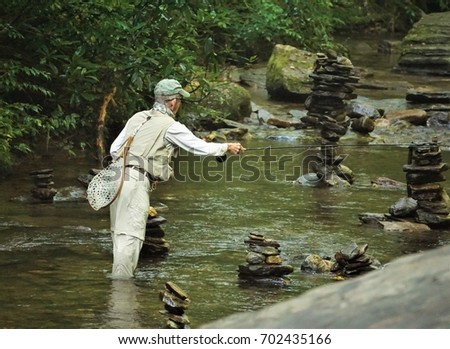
(129,214)
(126,250)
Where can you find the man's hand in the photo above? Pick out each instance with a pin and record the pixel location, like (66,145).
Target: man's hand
(235,148)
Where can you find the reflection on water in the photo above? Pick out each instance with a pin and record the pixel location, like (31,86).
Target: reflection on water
(123,305)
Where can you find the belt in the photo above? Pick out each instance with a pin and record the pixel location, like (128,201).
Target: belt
(143,171)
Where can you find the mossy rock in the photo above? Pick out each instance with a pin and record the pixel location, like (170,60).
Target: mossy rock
(288,73)
(230,99)
(426,47)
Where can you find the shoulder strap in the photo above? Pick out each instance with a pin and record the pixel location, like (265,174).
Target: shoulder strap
(130,138)
(124,155)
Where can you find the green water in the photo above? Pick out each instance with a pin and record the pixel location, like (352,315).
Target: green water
(56,258)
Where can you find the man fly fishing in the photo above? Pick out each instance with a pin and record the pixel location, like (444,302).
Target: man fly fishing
(157,137)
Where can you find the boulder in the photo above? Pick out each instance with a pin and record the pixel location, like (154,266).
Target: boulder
(426,47)
(414,116)
(288,71)
(230,99)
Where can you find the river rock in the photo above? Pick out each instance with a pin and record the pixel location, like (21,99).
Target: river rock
(426,47)
(387,183)
(264,270)
(414,116)
(255,258)
(357,109)
(232,99)
(288,73)
(372,218)
(279,122)
(315,264)
(363,125)
(405,226)
(438,119)
(405,207)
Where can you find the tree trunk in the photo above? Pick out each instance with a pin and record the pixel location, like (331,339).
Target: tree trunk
(101,125)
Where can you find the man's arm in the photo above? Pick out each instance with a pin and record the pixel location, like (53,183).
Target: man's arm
(181,136)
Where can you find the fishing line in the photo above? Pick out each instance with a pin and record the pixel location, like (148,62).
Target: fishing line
(300,146)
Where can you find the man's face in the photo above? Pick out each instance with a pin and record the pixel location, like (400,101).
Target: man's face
(174,104)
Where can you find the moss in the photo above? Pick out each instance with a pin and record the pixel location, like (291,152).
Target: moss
(229,99)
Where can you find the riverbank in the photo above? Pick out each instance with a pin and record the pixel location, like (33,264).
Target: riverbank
(379,88)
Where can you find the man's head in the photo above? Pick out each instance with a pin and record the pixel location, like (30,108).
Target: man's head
(169,88)
(170,93)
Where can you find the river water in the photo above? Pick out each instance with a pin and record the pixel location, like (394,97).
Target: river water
(56,258)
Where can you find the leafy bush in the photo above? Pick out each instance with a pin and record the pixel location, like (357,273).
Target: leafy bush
(56,74)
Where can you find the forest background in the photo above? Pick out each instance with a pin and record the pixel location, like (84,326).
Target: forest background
(69,67)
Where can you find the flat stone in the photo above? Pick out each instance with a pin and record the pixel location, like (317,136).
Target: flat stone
(265,270)
(43,171)
(372,218)
(273,259)
(155,221)
(432,169)
(173,301)
(426,95)
(403,226)
(176,290)
(265,250)
(262,242)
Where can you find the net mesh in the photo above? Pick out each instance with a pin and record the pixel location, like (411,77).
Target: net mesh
(103,188)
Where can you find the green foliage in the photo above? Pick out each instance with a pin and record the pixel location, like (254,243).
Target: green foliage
(384,15)
(56,73)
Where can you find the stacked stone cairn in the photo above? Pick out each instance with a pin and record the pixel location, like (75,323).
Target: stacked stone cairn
(424,171)
(154,243)
(264,262)
(176,301)
(351,260)
(43,190)
(333,77)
